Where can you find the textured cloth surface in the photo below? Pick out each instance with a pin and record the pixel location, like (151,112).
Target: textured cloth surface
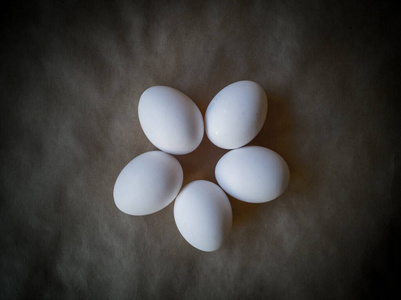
(71,76)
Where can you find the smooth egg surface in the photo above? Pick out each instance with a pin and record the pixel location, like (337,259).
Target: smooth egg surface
(252,174)
(170,120)
(148,183)
(203,215)
(236,114)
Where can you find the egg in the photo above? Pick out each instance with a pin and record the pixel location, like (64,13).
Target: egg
(170,120)
(236,114)
(148,183)
(252,174)
(203,215)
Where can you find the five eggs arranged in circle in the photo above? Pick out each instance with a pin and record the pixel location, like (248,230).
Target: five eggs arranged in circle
(173,123)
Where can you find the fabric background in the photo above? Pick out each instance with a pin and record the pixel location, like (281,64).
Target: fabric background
(71,76)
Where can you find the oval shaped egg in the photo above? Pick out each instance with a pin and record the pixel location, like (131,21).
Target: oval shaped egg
(203,215)
(236,114)
(252,174)
(148,183)
(170,120)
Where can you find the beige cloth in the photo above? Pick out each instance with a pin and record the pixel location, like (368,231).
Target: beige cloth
(71,78)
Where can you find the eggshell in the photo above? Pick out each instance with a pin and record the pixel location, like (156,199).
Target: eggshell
(170,120)
(148,183)
(236,114)
(252,174)
(203,215)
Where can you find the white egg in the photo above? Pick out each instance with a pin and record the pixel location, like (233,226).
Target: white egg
(203,215)
(170,119)
(148,183)
(252,174)
(236,114)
